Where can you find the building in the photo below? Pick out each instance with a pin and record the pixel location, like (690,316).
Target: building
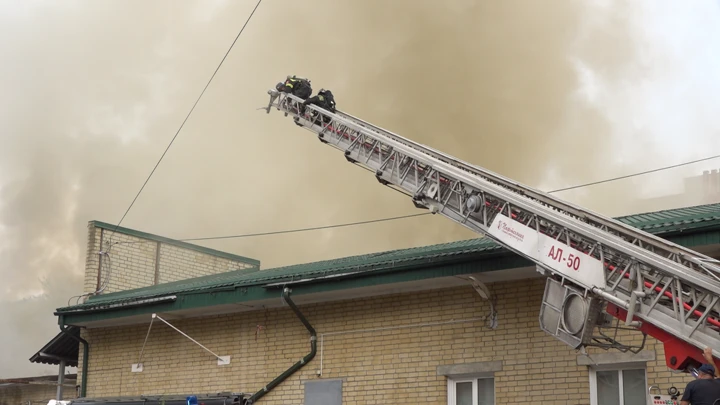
(396,327)
(706,185)
(123,260)
(35,390)
(701,189)
(62,351)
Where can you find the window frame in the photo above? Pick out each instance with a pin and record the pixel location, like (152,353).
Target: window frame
(618,367)
(471,378)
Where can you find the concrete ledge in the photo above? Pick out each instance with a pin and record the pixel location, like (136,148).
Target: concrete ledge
(470,368)
(615,358)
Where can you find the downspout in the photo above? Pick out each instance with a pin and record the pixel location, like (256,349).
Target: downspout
(300,364)
(83,386)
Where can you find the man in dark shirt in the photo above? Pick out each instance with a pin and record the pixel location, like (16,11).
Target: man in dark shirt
(705,390)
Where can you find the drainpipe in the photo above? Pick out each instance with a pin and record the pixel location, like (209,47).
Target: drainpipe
(83,386)
(300,364)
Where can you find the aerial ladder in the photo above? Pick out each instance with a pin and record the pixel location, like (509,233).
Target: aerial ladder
(597,268)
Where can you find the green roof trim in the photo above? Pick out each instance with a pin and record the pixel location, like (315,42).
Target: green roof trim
(695,226)
(229,295)
(174,242)
(471,249)
(675,221)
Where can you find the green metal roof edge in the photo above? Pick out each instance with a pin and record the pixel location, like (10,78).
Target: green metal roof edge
(694,232)
(491,262)
(474,249)
(676,220)
(174,242)
(492,259)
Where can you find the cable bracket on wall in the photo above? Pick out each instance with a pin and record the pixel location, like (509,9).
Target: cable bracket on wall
(138,367)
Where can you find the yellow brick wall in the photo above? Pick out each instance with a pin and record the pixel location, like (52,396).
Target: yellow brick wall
(177,263)
(31,393)
(389,366)
(92,259)
(133,262)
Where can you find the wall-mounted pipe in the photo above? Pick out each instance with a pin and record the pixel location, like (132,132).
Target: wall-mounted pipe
(83,384)
(300,364)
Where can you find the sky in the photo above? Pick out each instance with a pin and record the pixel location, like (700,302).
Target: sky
(551,94)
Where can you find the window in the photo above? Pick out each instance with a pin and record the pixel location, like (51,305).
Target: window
(618,385)
(471,391)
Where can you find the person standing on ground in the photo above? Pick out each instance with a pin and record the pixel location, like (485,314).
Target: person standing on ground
(705,390)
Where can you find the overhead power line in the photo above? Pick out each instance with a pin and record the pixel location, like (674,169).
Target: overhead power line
(428,213)
(188,115)
(634,174)
(109,243)
(247,235)
(315,228)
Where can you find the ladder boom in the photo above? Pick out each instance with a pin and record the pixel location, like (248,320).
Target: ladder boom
(669,249)
(652,280)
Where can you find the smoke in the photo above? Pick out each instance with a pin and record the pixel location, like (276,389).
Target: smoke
(94,91)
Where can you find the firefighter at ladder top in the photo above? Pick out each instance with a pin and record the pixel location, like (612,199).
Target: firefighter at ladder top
(325,100)
(705,390)
(297,86)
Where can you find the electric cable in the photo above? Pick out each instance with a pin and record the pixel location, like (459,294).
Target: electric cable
(425,213)
(284,231)
(188,115)
(247,235)
(182,125)
(428,213)
(627,176)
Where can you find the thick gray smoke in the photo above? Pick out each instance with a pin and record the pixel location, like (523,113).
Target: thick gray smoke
(94,91)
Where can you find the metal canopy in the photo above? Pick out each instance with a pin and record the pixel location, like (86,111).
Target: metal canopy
(61,348)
